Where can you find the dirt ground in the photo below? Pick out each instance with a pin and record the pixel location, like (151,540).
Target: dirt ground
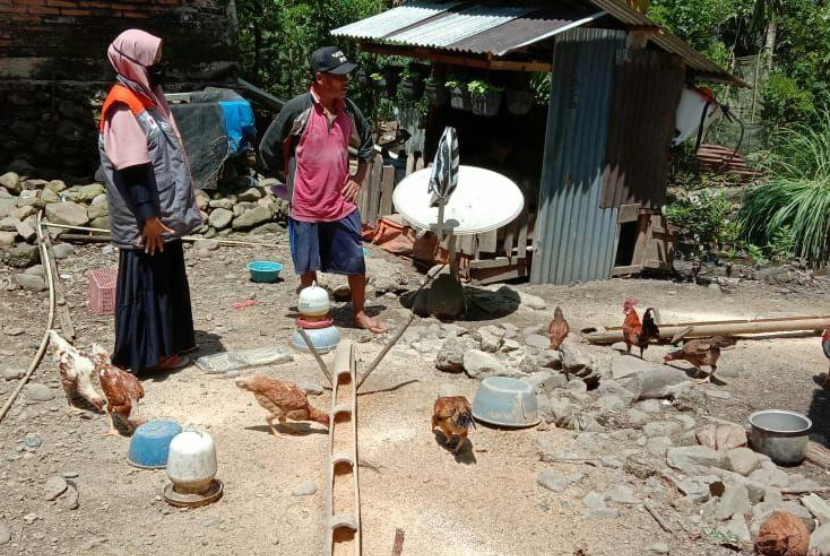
(487,502)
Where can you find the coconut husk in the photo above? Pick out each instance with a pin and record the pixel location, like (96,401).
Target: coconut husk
(783,534)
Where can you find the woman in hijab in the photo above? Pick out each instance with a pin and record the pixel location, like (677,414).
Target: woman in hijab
(152,205)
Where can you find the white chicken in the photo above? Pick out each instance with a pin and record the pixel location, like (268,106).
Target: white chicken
(76,370)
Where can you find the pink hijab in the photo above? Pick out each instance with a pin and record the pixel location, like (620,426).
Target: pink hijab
(130,54)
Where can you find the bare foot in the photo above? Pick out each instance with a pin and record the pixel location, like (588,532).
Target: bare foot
(373,325)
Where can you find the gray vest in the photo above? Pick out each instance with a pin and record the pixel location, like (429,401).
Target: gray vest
(177,202)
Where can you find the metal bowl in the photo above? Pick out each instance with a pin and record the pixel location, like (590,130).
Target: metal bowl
(781,435)
(506,402)
(150,444)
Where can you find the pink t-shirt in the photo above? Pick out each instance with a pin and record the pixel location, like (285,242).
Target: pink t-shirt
(322,171)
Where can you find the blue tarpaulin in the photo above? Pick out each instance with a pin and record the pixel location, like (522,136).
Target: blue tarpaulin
(239,124)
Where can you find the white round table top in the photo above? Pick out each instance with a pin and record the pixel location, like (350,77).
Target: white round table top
(483,201)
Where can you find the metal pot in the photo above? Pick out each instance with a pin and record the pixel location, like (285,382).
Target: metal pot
(781,435)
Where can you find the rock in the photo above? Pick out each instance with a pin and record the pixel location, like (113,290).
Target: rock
(97,211)
(480,365)
(225,204)
(32,441)
(12,182)
(36,270)
(206,244)
(55,186)
(49,197)
(560,411)
(39,392)
(611,403)
(722,436)
(24,212)
(770,477)
(305,489)
(738,529)
(658,548)
(7,239)
(5,534)
(54,487)
(601,513)
(102,223)
(585,422)
(250,195)
(734,501)
(819,540)
(22,256)
(537,341)
(9,224)
(717,394)
(30,283)
(63,251)
(594,500)
(657,382)
(622,494)
(10,373)
(576,355)
(611,462)
(526,300)
(661,428)
(26,231)
(250,218)
(549,359)
(14,331)
(450,357)
(67,213)
(744,460)
(686,458)
(85,193)
(817,506)
(658,446)
(625,366)
(220,218)
(551,481)
(267,228)
(697,487)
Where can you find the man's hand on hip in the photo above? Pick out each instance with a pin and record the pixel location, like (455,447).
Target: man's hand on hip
(352,189)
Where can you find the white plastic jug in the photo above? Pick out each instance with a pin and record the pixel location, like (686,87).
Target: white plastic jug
(314,301)
(191,465)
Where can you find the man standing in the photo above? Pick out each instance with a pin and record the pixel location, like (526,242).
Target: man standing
(309,142)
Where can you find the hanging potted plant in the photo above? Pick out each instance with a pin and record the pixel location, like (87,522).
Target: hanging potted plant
(459,95)
(436,92)
(412,86)
(520,102)
(486,98)
(378,82)
(392,75)
(362,78)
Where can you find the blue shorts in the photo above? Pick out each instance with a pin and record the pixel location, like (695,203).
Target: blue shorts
(335,247)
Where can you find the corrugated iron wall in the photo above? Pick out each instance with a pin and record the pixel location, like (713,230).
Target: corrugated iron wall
(647,89)
(575,239)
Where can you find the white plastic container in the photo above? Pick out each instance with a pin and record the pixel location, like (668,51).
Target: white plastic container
(689,113)
(191,465)
(314,301)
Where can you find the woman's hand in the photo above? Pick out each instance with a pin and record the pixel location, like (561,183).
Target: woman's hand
(151,235)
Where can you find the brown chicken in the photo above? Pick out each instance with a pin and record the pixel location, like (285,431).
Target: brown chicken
(454,416)
(635,332)
(76,369)
(702,352)
(558,329)
(121,388)
(284,400)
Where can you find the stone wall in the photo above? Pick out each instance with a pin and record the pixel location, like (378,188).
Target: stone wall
(54,73)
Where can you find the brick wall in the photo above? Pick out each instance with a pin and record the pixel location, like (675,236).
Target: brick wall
(53,69)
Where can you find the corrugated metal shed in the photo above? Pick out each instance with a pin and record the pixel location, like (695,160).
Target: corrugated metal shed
(647,88)
(476,28)
(575,239)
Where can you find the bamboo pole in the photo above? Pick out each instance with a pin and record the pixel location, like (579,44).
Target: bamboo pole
(718,328)
(185,238)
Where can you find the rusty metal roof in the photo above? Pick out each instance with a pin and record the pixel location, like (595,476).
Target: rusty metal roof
(472,28)
(499,28)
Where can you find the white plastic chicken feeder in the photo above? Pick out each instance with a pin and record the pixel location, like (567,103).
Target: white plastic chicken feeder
(191,468)
(314,301)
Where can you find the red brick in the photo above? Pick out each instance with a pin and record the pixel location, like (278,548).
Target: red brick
(72,12)
(20,18)
(63,3)
(37,10)
(30,2)
(15,9)
(135,14)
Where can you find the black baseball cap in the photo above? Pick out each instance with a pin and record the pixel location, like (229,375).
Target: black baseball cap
(330,59)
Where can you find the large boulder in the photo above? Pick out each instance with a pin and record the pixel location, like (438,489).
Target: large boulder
(657,382)
(481,365)
(68,213)
(12,182)
(691,458)
(450,357)
(252,217)
(22,256)
(84,193)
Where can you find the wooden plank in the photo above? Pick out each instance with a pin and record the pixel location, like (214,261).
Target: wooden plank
(491,263)
(510,235)
(387,182)
(410,164)
(488,243)
(465,244)
(419,164)
(362,201)
(374,189)
(457,60)
(524,226)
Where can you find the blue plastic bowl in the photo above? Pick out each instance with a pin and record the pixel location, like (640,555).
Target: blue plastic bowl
(264,271)
(506,402)
(323,339)
(150,444)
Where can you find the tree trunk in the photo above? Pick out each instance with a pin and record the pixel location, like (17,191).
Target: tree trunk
(769,43)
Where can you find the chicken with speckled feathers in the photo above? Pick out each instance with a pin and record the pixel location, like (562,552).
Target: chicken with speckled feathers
(454,416)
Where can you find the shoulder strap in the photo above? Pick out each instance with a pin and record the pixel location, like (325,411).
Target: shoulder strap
(120,94)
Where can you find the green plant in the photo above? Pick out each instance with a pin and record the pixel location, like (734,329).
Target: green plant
(756,254)
(479,87)
(705,219)
(377,77)
(540,85)
(783,244)
(432,81)
(797,195)
(453,84)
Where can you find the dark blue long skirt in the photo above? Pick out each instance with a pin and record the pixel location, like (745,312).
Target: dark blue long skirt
(153,318)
